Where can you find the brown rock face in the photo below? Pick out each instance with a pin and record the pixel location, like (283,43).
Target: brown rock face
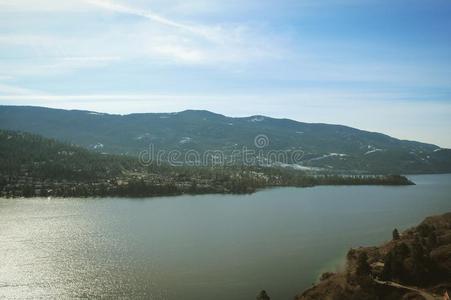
(415,265)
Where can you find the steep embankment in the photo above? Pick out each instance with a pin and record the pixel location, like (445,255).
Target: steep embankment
(414,265)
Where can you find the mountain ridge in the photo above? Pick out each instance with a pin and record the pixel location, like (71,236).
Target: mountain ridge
(204,111)
(208,112)
(332,147)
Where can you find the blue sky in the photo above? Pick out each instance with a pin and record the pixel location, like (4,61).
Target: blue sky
(376,65)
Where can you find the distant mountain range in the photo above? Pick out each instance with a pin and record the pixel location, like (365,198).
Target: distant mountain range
(324,147)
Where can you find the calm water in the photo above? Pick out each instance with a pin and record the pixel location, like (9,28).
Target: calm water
(199,247)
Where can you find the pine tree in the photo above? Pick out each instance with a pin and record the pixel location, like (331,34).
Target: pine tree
(263,296)
(363,268)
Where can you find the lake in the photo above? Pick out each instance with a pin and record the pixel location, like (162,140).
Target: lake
(200,247)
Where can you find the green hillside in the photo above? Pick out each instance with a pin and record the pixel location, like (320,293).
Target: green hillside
(332,148)
(31,165)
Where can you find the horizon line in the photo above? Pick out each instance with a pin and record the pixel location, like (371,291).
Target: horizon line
(219,114)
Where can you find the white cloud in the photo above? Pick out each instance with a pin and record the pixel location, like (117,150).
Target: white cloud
(149,14)
(222,42)
(12,91)
(7,6)
(162,39)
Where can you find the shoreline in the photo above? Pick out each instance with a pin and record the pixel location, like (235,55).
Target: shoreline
(251,190)
(385,272)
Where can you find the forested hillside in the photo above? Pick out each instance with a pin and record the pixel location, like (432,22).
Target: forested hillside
(31,165)
(416,264)
(331,148)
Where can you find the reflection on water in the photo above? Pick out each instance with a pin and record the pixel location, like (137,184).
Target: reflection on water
(199,247)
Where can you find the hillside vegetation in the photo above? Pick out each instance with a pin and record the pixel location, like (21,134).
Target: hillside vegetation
(329,148)
(414,265)
(31,165)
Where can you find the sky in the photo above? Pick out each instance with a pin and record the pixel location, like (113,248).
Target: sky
(376,65)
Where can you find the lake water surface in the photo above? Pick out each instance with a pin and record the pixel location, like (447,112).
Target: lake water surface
(200,247)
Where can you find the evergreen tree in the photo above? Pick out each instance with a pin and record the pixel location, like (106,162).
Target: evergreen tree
(363,268)
(263,296)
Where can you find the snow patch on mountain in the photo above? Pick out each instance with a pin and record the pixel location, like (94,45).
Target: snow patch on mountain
(257,119)
(185,140)
(296,167)
(98,146)
(329,155)
(143,136)
(373,151)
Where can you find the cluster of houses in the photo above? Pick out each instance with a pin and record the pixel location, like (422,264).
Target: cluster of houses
(28,186)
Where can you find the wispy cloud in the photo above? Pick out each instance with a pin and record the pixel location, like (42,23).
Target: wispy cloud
(168,41)
(42,6)
(207,43)
(149,14)
(12,91)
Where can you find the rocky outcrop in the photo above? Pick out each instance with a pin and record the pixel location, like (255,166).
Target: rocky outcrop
(414,265)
